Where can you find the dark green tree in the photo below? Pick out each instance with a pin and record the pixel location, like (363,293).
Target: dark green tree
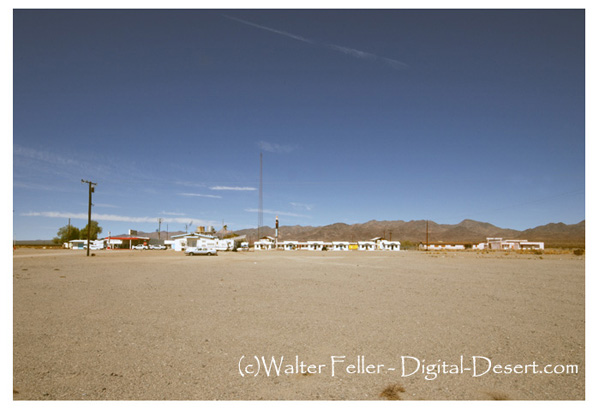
(96,229)
(66,233)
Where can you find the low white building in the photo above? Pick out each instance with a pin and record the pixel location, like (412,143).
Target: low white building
(77,244)
(290,245)
(447,246)
(315,245)
(302,246)
(366,246)
(385,245)
(181,242)
(82,244)
(340,246)
(225,244)
(500,244)
(532,245)
(264,244)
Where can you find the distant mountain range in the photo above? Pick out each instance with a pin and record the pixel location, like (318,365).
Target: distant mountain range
(553,234)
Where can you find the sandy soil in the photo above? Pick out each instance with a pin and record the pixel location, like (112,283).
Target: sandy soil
(160,325)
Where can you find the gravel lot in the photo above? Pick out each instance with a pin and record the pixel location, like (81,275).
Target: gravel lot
(154,325)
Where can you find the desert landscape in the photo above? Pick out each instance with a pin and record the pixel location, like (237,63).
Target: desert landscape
(159,325)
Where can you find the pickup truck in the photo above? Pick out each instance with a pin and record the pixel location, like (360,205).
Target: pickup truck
(190,251)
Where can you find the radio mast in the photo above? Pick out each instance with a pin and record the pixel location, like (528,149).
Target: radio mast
(260,204)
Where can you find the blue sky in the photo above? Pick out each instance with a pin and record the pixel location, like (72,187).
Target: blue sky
(360,115)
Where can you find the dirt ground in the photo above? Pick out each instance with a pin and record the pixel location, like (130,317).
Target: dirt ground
(153,325)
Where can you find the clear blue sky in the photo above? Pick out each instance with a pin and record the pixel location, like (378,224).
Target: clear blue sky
(360,115)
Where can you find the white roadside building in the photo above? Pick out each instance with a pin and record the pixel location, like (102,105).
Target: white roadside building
(500,244)
(290,245)
(366,246)
(264,244)
(385,245)
(191,240)
(340,246)
(447,246)
(315,245)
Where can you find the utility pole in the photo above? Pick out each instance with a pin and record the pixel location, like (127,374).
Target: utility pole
(277,232)
(427,234)
(260,203)
(89,210)
(159,222)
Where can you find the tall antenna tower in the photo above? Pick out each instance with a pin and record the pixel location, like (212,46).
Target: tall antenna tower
(260,204)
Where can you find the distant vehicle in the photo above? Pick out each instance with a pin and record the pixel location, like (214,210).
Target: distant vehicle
(159,247)
(190,251)
(140,246)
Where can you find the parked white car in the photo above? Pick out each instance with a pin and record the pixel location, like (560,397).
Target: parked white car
(190,251)
(159,247)
(140,246)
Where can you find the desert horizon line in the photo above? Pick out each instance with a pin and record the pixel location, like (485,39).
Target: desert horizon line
(353,224)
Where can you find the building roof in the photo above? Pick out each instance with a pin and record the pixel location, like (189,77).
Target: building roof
(127,237)
(194,235)
(446,243)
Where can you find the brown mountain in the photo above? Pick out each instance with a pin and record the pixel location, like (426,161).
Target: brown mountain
(553,234)
(558,234)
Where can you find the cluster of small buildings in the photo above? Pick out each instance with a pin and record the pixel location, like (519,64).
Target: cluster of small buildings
(200,238)
(270,243)
(498,244)
(203,239)
(509,244)
(110,242)
(197,239)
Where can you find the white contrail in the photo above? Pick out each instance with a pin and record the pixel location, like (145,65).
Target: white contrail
(172,213)
(353,52)
(270,212)
(283,33)
(307,207)
(345,50)
(232,188)
(113,218)
(200,195)
(276,148)
(367,56)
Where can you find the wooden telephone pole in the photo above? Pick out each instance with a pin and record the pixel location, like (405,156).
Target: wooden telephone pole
(89,210)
